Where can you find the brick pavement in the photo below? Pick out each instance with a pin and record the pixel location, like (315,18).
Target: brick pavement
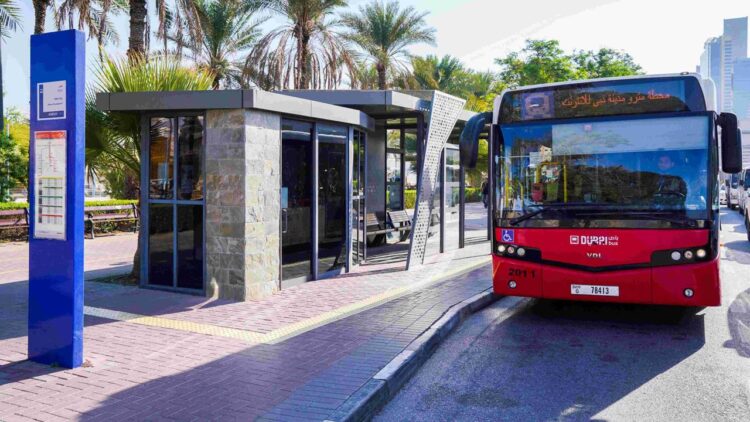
(103,256)
(138,372)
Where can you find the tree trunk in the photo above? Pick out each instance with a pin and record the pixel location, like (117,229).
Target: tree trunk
(40,14)
(137,39)
(303,67)
(381,76)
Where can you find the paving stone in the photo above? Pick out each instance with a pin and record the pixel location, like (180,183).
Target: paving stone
(151,373)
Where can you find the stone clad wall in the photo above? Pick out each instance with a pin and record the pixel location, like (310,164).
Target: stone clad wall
(263,203)
(243,157)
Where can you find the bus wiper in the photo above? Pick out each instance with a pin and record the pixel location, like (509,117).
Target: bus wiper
(528,215)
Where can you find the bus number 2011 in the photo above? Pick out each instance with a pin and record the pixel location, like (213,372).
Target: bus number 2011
(517,272)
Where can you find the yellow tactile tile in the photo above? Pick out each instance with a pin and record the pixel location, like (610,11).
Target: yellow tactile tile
(279,334)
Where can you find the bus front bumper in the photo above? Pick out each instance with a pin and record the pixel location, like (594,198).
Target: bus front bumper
(684,285)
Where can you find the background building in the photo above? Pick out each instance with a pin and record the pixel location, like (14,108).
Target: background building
(741,88)
(710,67)
(717,62)
(734,47)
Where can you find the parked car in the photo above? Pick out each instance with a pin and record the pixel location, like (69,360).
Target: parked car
(733,198)
(742,191)
(722,195)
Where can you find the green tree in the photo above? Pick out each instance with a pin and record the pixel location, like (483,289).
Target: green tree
(449,75)
(543,61)
(604,63)
(446,74)
(228,29)
(384,32)
(13,166)
(540,61)
(10,20)
(305,52)
(364,77)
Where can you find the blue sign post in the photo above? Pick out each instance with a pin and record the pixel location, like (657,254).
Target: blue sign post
(56,186)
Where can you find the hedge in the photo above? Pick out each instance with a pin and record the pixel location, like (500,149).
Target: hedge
(103,203)
(472,195)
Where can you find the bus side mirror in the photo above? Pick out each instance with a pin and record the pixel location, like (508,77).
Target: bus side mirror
(731,144)
(469,139)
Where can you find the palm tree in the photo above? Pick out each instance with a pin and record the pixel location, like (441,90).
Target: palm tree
(449,75)
(10,20)
(183,18)
(40,14)
(306,52)
(228,30)
(384,32)
(446,74)
(113,139)
(91,15)
(137,37)
(178,13)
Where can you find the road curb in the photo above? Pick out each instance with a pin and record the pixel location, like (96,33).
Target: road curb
(364,404)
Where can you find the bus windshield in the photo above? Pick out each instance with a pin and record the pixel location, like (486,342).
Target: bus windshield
(605,169)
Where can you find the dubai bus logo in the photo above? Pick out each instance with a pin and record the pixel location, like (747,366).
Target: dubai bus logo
(594,240)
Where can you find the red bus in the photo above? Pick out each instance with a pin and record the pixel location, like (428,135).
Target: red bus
(608,190)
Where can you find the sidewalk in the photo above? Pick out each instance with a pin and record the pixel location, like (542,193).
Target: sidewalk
(104,256)
(298,355)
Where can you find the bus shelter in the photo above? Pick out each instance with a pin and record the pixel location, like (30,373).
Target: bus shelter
(246,192)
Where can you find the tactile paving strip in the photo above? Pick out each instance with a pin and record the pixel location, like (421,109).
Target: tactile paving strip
(285,332)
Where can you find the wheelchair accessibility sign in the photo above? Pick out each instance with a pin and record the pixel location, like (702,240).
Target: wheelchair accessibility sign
(508,236)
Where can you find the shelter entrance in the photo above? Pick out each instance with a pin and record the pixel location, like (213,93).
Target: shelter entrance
(320,207)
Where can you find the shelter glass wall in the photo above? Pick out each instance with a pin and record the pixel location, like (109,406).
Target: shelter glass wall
(175,203)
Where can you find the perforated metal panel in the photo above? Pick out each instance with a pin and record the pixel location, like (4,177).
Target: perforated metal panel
(443,116)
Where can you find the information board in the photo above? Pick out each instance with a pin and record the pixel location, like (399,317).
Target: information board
(51,100)
(49,150)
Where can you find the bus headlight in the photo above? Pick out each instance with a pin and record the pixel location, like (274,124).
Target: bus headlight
(688,254)
(676,255)
(500,249)
(511,250)
(700,253)
(521,251)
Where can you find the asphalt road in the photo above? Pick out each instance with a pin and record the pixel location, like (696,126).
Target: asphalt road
(528,360)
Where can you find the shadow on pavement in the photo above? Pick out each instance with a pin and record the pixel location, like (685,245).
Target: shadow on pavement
(556,360)
(738,318)
(23,370)
(13,312)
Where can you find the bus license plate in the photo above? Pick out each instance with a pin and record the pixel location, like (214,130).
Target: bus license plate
(588,290)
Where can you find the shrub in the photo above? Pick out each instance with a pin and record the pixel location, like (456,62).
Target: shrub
(102,203)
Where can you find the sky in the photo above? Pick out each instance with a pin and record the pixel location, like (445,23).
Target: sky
(663,36)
